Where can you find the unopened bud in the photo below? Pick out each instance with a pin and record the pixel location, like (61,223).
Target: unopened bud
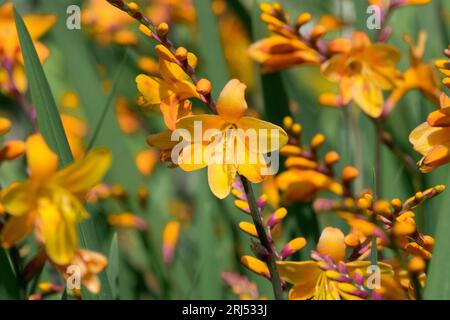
(203,87)
(303,18)
(416,265)
(288,122)
(349,173)
(181,53)
(331,157)
(162,30)
(317,141)
(293,246)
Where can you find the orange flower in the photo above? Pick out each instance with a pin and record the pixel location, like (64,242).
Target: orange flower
(89,264)
(237,145)
(108,24)
(419,76)
(12,74)
(327,277)
(277,52)
(432,138)
(363,72)
(169,91)
(302,185)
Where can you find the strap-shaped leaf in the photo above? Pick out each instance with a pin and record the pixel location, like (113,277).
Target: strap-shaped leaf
(50,125)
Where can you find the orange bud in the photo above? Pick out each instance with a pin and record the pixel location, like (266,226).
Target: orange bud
(203,86)
(127,220)
(331,243)
(317,32)
(12,150)
(317,141)
(382,207)
(416,265)
(145,30)
(300,162)
(293,246)
(331,157)
(5,125)
(248,228)
(290,150)
(118,192)
(243,205)
(133,6)
(162,29)
(296,128)
(170,237)
(428,242)
(349,173)
(303,18)
(256,265)
(397,204)
(288,122)
(181,53)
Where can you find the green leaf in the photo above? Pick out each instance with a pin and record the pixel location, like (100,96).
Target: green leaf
(9,285)
(48,117)
(211,46)
(50,125)
(113,267)
(438,278)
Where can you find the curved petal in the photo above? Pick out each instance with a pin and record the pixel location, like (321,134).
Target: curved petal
(149,87)
(269,137)
(58,214)
(42,161)
(199,126)
(84,174)
(368,96)
(162,140)
(17,198)
(220,179)
(192,157)
(16,229)
(300,273)
(231,105)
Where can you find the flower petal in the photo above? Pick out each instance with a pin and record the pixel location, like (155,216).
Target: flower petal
(231,105)
(269,137)
(220,179)
(304,275)
(84,174)
(42,161)
(331,243)
(17,198)
(16,229)
(149,87)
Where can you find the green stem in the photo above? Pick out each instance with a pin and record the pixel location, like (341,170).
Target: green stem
(264,239)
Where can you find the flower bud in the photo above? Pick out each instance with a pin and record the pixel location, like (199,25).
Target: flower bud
(248,228)
(12,150)
(256,265)
(317,141)
(203,87)
(162,29)
(331,157)
(292,246)
(416,265)
(5,125)
(349,173)
(181,53)
(146,30)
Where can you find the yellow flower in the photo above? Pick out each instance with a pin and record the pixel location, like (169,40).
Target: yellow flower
(300,185)
(432,138)
(169,91)
(363,72)
(327,277)
(12,73)
(220,155)
(108,24)
(90,264)
(419,76)
(50,201)
(277,52)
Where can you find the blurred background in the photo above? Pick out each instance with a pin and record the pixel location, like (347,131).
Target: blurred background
(87,67)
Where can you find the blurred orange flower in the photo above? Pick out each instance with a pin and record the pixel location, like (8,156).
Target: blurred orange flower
(363,72)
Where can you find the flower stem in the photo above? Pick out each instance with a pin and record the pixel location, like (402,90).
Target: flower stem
(263,238)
